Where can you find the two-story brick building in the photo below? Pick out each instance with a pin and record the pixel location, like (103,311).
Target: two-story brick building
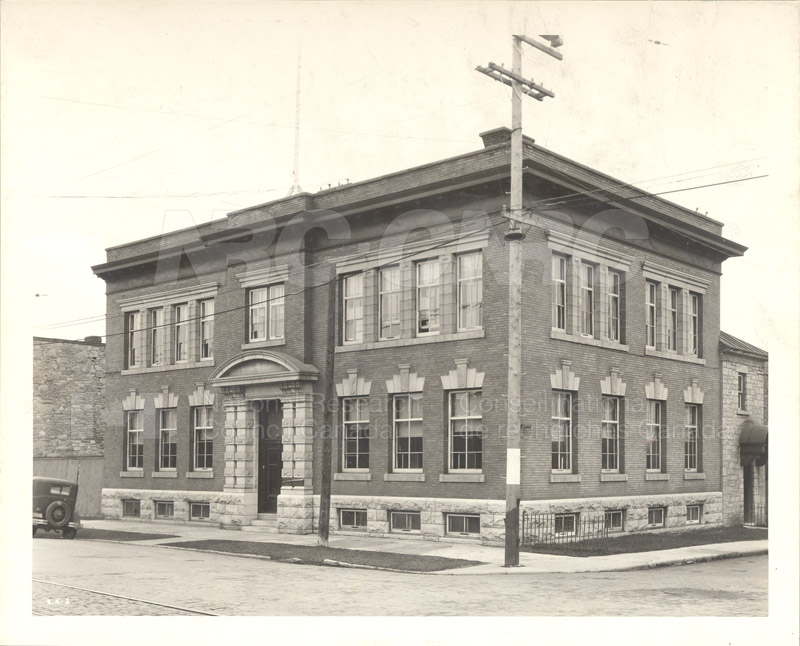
(216,353)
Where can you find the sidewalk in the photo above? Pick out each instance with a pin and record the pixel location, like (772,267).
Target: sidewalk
(492,557)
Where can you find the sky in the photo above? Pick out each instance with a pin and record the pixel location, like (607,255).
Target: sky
(122,120)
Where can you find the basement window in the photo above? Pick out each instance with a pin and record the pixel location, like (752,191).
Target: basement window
(656,516)
(199,511)
(131,508)
(404,521)
(463,524)
(165,509)
(614,520)
(693,514)
(352,519)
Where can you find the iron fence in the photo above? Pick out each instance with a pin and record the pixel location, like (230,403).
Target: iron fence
(560,529)
(756,516)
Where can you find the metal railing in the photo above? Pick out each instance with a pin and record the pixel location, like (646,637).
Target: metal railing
(756,516)
(560,529)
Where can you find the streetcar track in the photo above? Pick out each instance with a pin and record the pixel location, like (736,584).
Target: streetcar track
(125,598)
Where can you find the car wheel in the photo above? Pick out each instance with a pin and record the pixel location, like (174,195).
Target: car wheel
(57,514)
(69,533)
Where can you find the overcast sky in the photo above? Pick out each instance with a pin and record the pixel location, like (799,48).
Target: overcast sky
(121,120)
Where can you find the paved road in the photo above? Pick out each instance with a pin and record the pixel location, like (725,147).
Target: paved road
(233,586)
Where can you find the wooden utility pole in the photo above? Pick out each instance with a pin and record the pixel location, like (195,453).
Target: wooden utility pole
(514,237)
(327,417)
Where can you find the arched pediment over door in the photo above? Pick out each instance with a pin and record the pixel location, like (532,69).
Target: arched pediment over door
(262,367)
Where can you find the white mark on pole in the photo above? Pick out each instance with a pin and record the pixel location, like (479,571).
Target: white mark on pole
(512,466)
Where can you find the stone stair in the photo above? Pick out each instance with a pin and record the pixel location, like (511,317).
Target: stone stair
(264,523)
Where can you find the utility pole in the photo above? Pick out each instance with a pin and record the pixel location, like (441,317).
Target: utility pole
(514,237)
(296,168)
(327,418)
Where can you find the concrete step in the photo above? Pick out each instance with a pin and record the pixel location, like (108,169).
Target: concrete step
(262,529)
(259,522)
(268,516)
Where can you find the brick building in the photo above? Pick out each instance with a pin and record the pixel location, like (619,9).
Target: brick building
(216,354)
(745,399)
(68,422)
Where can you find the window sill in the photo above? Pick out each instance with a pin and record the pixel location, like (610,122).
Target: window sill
(686,358)
(419,340)
(200,475)
(270,343)
(461,477)
(131,474)
(693,475)
(656,476)
(164,474)
(743,413)
(587,340)
(613,477)
(565,477)
(404,477)
(364,477)
(183,365)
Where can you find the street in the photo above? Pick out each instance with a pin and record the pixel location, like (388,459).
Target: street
(181,582)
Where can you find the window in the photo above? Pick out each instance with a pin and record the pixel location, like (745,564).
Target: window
(693,514)
(614,286)
(587,300)
(132,338)
(165,509)
(207,329)
(655,423)
(672,321)
(691,443)
(470,290)
(463,524)
(566,523)
(694,324)
(561,432)
(652,291)
(610,434)
(466,431)
(356,433)
(168,439)
(428,297)
(390,292)
(199,511)
(614,520)
(742,391)
(352,519)
(559,292)
(156,337)
(266,313)
(404,521)
(353,308)
(180,316)
(655,516)
(408,431)
(135,440)
(203,438)
(131,508)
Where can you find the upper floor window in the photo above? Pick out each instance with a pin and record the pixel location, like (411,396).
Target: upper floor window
(353,308)
(135,439)
(655,423)
(206,329)
(610,435)
(587,299)
(180,315)
(561,432)
(613,295)
(470,290)
(466,432)
(408,431)
(672,320)
(741,390)
(203,445)
(691,444)
(559,292)
(356,433)
(390,294)
(168,439)
(650,323)
(266,312)
(132,338)
(694,324)
(157,336)
(428,282)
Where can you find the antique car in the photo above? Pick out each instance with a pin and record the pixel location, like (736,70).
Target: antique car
(54,506)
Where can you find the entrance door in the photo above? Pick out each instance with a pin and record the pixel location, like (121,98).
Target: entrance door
(270,447)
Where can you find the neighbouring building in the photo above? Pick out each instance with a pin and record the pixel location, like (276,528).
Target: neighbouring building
(68,415)
(745,389)
(216,350)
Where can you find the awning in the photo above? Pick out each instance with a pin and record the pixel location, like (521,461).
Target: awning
(753,443)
